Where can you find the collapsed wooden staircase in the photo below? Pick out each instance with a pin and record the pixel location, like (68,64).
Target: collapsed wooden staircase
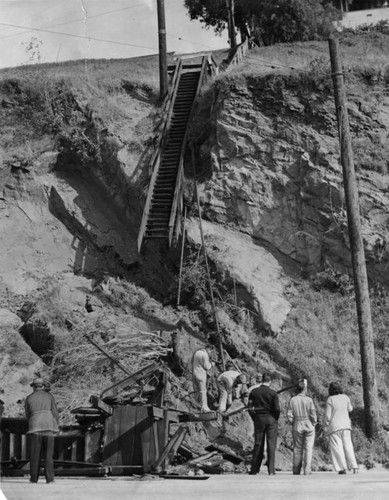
(164,203)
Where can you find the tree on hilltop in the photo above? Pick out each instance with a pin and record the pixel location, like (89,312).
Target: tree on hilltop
(269,21)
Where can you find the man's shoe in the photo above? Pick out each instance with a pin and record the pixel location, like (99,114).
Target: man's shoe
(32,481)
(342,472)
(272,473)
(252,473)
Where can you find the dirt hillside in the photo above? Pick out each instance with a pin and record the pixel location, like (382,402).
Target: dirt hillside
(75,151)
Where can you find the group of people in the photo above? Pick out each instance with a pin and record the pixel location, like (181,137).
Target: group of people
(262,404)
(264,409)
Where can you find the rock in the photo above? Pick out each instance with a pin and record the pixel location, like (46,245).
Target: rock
(279,179)
(9,319)
(253,268)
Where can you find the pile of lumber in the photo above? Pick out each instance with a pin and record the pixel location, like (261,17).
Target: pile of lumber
(218,460)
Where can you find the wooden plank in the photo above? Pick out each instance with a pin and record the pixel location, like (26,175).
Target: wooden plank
(11,445)
(73,448)
(18,446)
(14,425)
(156,444)
(158,396)
(173,416)
(127,434)
(100,405)
(174,443)
(156,413)
(227,454)
(5,439)
(143,426)
(130,380)
(83,471)
(92,441)
(23,454)
(111,438)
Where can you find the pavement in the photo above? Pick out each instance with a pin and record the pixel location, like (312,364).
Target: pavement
(367,485)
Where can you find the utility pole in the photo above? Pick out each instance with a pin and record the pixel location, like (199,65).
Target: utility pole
(163,85)
(231,23)
(369,382)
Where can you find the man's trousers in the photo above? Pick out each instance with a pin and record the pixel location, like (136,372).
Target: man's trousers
(41,446)
(200,388)
(265,427)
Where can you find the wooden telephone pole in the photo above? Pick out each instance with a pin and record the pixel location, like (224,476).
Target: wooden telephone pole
(370,394)
(163,80)
(231,23)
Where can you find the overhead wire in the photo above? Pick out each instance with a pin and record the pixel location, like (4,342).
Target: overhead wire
(79,36)
(93,16)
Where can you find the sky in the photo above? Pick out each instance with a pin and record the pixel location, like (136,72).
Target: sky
(61,30)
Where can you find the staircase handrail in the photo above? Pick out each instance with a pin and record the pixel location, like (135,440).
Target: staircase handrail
(155,160)
(213,65)
(237,54)
(179,189)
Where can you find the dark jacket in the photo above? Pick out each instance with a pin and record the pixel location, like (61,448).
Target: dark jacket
(41,412)
(264,401)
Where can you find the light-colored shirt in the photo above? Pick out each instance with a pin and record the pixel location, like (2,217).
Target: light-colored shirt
(337,413)
(228,379)
(301,407)
(201,364)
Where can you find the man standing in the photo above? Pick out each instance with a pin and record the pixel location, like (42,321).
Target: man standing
(265,413)
(229,381)
(302,415)
(42,415)
(201,364)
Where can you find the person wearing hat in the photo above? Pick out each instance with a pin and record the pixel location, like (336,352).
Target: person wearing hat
(42,415)
(264,408)
(302,415)
(227,382)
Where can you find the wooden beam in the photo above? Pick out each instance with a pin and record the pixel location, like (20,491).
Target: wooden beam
(100,405)
(172,445)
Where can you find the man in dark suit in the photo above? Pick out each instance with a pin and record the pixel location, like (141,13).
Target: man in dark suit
(265,413)
(42,415)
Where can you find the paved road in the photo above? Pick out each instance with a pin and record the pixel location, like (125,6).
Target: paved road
(367,485)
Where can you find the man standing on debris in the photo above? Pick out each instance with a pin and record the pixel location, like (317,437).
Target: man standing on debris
(43,417)
(302,415)
(201,364)
(265,412)
(229,381)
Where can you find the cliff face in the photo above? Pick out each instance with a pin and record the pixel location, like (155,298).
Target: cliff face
(270,166)
(274,171)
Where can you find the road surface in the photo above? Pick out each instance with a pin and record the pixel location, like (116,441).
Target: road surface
(367,485)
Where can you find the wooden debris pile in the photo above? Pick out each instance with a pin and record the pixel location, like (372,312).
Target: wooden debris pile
(218,460)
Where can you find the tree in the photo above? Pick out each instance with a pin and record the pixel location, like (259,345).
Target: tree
(270,21)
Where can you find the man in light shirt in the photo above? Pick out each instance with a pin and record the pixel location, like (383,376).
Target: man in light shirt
(229,381)
(201,365)
(302,415)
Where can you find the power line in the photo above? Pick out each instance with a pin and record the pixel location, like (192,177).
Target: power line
(76,20)
(78,36)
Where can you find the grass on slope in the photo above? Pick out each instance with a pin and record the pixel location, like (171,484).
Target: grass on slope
(320,341)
